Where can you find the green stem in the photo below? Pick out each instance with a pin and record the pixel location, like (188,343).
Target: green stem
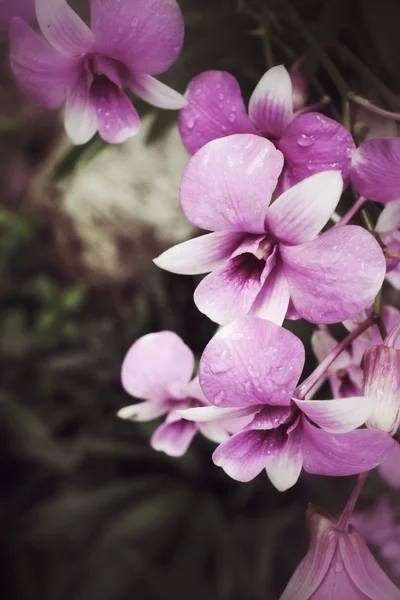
(381,112)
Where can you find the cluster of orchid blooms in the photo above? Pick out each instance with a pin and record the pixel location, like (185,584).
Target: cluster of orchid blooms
(265,182)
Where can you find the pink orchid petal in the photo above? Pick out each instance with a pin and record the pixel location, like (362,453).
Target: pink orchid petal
(389,469)
(117,118)
(339,415)
(343,453)
(215,432)
(229,292)
(41,72)
(146,36)
(300,213)
(199,255)
(284,469)
(347,383)
(214,109)
(174,436)
(63,28)
(271,104)
(364,571)
(143,411)
(393,277)
(335,276)
(228,184)
(246,453)
(25,9)
(306,580)
(251,362)
(389,219)
(375,169)
(156,93)
(273,300)
(314,143)
(80,114)
(157,365)
(205,414)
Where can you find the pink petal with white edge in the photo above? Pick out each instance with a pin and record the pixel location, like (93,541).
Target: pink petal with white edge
(363,569)
(63,28)
(24,9)
(389,469)
(389,219)
(251,362)
(206,414)
(246,454)
(229,292)
(215,432)
(284,469)
(375,169)
(339,415)
(300,213)
(156,93)
(146,36)
(214,109)
(157,366)
(313,143)
(271,103)
(343,453)
(228,184)
(80,115)
(117,118)
(273,300)
(174,436)
(335,276)
(41,72)
(143,411)
(199,255)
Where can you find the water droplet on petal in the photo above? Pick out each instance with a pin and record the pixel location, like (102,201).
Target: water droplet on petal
(232,118)
(190,124)
(220,397)
(221,96)
(339,566)
(305,140)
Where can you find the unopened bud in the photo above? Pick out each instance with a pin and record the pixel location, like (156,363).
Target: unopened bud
(382,383)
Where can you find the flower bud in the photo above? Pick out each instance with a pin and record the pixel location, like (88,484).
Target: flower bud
(382,383)
(338,564)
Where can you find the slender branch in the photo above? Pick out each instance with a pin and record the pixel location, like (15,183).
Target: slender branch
(266,38)
(387,114)
(343,522)
(320,53)
(392,255)
(313,107)
(351,212)
(359,66)
(303,389)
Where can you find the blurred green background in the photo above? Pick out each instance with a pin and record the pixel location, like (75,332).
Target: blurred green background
(88,509)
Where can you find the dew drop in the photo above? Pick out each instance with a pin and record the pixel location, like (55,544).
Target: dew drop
(218,86)
(221,96)
(232,118)
(234,108)
(305,140)
(134,22)
(190,124)
(219,398)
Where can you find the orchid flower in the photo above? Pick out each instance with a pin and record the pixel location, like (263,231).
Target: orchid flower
(88,68)
(268,260)
(25,9)
(157,369)
(309,142)
(345,375)
(389,469)
(338,565)
(251,367)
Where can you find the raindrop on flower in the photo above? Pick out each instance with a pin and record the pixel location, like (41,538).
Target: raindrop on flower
(305,140)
